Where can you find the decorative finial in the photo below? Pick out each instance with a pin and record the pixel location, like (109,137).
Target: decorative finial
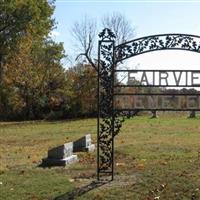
(107,34)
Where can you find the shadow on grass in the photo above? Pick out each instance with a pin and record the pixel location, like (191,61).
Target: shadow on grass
(80,191)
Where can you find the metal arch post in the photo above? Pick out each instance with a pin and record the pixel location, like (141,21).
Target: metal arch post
(106,120)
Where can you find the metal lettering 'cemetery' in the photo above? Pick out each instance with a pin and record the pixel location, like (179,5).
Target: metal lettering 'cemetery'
(116,101)
(150,102)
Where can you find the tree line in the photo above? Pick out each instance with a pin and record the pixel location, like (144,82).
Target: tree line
(34,83)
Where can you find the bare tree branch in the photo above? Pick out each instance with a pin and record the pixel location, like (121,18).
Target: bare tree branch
(84,34)
(120,26)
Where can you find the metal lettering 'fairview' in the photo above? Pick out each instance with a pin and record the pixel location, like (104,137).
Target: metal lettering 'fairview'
(160,78)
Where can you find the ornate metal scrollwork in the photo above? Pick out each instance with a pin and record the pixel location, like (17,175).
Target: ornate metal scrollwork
(157,42)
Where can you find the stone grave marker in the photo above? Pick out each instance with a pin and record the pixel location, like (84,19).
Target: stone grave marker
(83,144)
(60,156)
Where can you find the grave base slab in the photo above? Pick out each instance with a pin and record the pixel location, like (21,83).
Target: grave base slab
(48,162)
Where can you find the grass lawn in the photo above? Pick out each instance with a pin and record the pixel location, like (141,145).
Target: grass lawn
(155,159)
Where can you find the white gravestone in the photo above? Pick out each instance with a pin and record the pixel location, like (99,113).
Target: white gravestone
(60,156)
(83,144)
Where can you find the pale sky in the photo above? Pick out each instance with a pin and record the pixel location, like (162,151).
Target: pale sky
(147,17)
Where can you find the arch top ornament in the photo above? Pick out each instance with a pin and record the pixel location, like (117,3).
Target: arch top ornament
(174,41)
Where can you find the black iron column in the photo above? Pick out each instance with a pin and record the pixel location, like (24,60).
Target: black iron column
(105,137)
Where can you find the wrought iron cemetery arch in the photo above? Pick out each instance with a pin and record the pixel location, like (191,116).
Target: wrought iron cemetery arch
(109,119)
